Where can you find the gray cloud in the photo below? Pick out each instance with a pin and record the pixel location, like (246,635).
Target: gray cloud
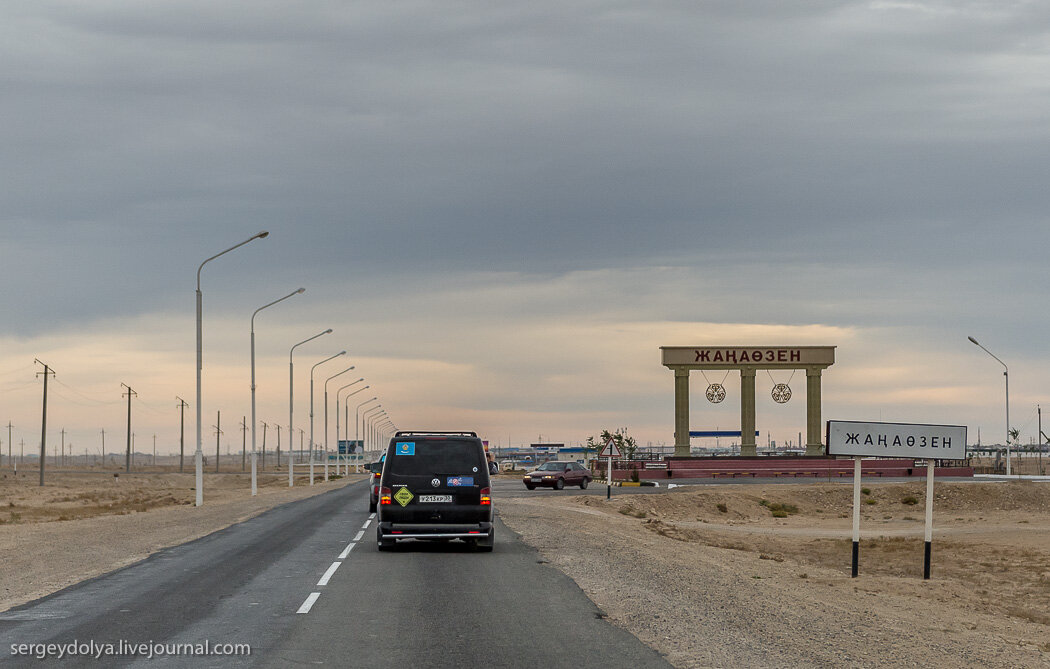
(855,164)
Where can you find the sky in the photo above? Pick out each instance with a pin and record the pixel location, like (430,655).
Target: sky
(504,209)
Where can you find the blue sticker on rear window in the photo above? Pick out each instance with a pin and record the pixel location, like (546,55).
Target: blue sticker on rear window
(460,481)
(405,448)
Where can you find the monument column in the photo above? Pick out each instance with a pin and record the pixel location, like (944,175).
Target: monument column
(814,446)
(681,413)
(747,411)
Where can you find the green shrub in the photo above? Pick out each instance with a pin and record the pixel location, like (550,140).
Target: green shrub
(871,501)
(865,491)
(722,507)
(910,500)
(781,510)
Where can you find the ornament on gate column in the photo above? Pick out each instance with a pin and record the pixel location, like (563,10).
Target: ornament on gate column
(781,392)
(716,392)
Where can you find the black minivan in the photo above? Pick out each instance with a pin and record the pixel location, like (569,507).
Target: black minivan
(435,486)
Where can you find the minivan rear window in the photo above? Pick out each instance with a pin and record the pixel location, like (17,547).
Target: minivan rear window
(435,456)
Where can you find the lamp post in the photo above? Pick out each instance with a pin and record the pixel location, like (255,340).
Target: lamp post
(364,422)
(290,404)
(199,456)
(1006,374)
(386,428)
(312,403)
(337,420)
(373,421)
(346,422)
(291,294)
(326,417)
(357,419)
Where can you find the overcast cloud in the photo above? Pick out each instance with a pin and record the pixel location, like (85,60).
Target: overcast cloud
(504,208)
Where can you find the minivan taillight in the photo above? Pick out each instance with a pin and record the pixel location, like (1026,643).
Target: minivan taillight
(385,496)
(486,499)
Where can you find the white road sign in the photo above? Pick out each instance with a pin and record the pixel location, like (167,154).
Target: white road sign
(610,450)
(896,440)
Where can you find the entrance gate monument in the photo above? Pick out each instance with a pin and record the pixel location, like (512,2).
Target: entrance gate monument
(748,359)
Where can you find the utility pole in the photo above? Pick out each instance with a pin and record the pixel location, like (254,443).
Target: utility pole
(218,433)
(278,446)
(264,444)
(127,457)
(103,448)
(43,420)
(302,435)
(63,460)
(182,429)
(10,459)
(244,442)
(154,450)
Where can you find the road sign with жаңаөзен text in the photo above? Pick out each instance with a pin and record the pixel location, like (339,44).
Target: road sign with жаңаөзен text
(896,440)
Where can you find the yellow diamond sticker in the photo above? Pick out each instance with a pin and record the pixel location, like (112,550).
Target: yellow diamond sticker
(403,496)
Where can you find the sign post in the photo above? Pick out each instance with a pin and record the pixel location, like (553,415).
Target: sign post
(895,440)
(856,516)
(609,451)
(929,520)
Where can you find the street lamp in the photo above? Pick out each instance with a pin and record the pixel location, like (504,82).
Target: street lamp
(386,428)
(346,422)
(373,425)
(357,419)
(1006,373)
(291,294)
(337,420)
(326,407)
(290,404)
(312,404)
(364,422)
(199,456)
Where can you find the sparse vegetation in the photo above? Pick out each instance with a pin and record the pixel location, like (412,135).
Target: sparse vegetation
(721,506)
(780,510)
(865,491)
(910,500)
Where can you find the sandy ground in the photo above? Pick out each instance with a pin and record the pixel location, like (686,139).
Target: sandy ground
(706,575)
(710,578)
(81,525)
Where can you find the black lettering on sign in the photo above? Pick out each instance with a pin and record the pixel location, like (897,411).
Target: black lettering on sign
(882,440)
(851,437)
(868,441)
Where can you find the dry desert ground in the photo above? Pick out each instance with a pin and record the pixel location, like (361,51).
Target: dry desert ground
(724,575)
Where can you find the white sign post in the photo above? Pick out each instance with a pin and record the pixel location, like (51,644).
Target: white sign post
(609,451)
(895,440)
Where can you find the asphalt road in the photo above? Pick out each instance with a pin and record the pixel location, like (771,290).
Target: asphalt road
(303,584)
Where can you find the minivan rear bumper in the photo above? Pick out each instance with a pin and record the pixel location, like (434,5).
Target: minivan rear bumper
(435,530)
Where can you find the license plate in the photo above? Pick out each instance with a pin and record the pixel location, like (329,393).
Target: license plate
(436,498)
(537,480)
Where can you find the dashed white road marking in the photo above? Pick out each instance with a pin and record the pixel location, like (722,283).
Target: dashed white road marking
(309,603)
(372,516)
(328,574)
(346,551)
(358,536)
(367,523)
